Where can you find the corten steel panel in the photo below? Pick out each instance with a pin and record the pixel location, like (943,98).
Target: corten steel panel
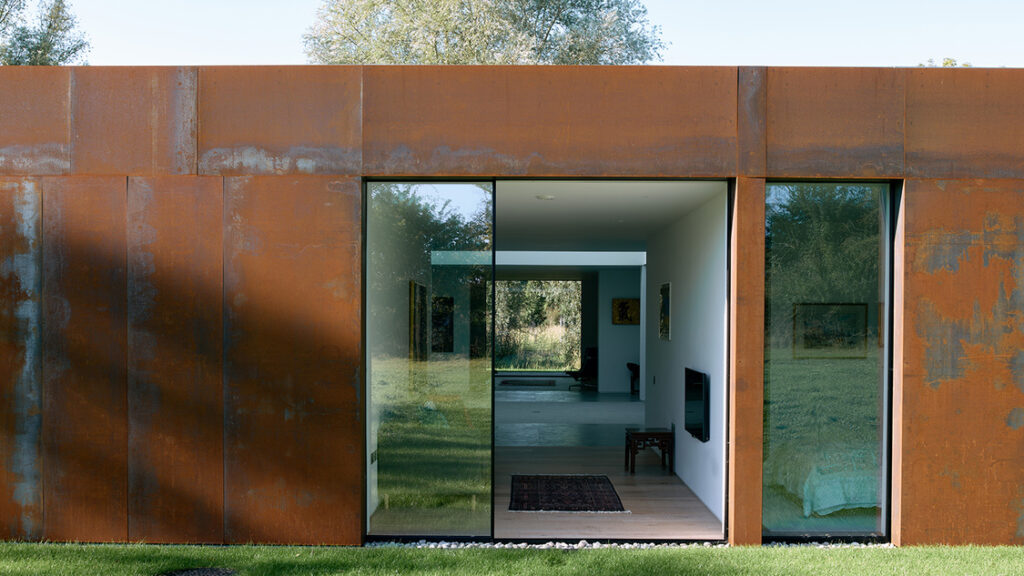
(133,121)
(751,127)
(549,121)
(85,423)
(843,122)
(175,397)
(280,120)
(746,362)
(21,512)
(293,409)
(965,123)
(34,112)
(963,363)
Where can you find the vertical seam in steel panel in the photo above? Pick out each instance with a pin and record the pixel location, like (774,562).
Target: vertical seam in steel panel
(764,110)
(362,121)
(70,122)
(127,404)
(906,121)
(42,362)
(739,145)
(195,159)
(153,122)
(223,360)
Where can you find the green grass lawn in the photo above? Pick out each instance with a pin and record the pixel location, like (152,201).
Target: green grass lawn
(115,560)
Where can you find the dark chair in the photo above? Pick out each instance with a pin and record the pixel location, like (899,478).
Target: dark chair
(586,376)
(634,378)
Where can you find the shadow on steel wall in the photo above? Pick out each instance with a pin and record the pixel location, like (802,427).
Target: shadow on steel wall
(184,359)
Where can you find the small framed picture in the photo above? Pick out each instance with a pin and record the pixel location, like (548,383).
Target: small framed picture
(625,311)
(665,311)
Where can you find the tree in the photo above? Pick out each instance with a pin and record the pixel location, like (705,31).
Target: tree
(10,11)
(946,63)
(483,32)
(52,41)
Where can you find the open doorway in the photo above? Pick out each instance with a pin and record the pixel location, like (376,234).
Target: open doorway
(649,259)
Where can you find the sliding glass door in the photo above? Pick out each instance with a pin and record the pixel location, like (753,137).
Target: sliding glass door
(826,359)
(429,272)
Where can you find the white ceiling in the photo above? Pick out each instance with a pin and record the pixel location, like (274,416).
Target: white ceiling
(592,215)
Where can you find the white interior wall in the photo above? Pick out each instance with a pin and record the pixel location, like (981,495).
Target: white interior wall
(617,344)
(691,255)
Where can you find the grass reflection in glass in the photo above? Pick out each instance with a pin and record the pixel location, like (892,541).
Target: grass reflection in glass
(433,446)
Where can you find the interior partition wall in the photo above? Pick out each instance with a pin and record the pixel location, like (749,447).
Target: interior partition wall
(825,469)
(429,282)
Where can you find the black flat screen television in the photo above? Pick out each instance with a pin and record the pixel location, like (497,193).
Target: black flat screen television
(696,405)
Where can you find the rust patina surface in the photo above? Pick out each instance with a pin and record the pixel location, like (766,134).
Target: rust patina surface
(175,401)
(84,377)
(962,419)
(293,423)
(21,502)
(181,272)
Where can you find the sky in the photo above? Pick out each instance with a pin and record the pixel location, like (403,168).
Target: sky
(985,33)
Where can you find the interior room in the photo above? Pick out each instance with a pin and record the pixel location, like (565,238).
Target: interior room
(650,258)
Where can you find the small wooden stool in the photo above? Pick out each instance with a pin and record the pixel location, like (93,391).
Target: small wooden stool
(639,438)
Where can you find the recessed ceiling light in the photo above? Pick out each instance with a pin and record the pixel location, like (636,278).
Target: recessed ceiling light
(544,197)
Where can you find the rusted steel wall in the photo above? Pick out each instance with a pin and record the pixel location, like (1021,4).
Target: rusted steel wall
(114,316)
(280,120)
(965,123)
(549,121)
(175,400)
(133,121)
(84,383)
(21,502)
(147,361)
(34,120)
(963,366)
(293,423)
(835,123)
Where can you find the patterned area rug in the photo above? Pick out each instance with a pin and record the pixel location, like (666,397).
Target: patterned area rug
(564,493)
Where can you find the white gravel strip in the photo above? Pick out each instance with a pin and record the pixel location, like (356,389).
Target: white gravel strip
(583,544)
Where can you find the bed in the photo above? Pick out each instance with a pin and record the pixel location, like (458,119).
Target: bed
(834,476)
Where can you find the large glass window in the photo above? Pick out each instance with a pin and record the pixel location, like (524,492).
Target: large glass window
(825,359)
(429,274)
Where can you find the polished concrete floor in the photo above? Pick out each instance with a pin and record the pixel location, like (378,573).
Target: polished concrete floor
(526,416)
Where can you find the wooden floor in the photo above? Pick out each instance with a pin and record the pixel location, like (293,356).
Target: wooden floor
(661,506)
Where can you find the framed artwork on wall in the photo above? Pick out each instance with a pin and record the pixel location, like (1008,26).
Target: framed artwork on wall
(625,311)
(665,311)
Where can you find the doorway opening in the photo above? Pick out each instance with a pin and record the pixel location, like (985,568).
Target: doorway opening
(650,261)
